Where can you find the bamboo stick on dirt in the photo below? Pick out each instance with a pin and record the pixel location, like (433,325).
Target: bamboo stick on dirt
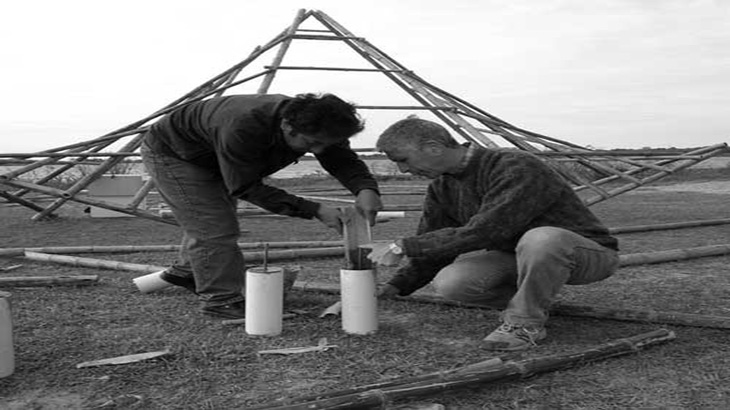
(399,382)
(91,263)
(159,248)
(667,226)
(650,316)
(37,281)
(673,255)
(509,370)
(135,267)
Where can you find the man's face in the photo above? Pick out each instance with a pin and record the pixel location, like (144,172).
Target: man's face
(307,143)
(422,162)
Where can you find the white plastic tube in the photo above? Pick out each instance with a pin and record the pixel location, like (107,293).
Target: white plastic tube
(151,282)
(359,301)
(264,300)
(388,215)
(7,353)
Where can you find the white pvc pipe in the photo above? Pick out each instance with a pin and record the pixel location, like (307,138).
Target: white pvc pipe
(7,353)
(388,215)
(264,300)
(151,282)
(359,301)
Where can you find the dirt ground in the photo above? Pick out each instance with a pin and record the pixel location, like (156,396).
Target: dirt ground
(60,327)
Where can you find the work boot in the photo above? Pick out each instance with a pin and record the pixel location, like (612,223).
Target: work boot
(185,282)
(509,337)
(235,310)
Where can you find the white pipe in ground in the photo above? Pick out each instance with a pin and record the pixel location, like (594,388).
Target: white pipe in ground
(264,300)
(359,301)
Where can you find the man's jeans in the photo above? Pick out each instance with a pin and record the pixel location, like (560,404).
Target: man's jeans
(527,281)
(207,214)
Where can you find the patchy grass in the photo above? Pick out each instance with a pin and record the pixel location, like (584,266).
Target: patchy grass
(217,367)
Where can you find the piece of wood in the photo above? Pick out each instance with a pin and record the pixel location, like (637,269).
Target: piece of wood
(132,358)
(356,231)
(509,370)
(37,281)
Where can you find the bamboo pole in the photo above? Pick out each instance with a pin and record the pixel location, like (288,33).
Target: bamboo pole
(88,201)
(561,309)
(283,47)
(649,316)
(294,254)
(36,281)
(510,370)
(160,248)
(134,267)
(668,226)
(439,376)
(672,255)
(20,201)
(91,263)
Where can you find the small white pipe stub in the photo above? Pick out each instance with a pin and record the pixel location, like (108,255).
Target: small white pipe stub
(151,282)
(264,300)
(359,301)
(7,353)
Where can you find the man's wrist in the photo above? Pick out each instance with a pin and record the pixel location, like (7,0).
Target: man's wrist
(396,247)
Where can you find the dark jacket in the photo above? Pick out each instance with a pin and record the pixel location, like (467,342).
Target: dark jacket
(240,137)
(497,197)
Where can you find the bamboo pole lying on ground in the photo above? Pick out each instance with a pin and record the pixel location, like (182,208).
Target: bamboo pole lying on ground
(562,309)
(36,281)
(391,384)
(252,257)
(91,263)
(667,226)
(510,370)
(160,248)
(673,255)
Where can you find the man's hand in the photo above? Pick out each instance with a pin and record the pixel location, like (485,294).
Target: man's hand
(387,291)
(331,217)
(382,253)
(368,203)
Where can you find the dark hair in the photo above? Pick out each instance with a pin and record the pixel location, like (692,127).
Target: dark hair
(325,115)
(415,132)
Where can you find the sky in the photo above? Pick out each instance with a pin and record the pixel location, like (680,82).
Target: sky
(599,73)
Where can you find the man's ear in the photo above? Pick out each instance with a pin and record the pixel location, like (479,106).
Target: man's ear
(286,127)
(433,148)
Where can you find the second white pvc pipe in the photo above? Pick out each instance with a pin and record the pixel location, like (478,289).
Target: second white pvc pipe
(359,301)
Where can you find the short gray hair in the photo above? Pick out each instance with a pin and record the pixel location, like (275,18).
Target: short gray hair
(415,132)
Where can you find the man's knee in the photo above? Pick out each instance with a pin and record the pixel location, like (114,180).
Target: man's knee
(542,242)
(449,284)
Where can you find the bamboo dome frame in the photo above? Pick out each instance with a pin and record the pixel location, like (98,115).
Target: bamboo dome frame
(599,174)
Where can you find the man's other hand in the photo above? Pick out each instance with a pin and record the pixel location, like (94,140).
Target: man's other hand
(382,253)
(331,217)
(387,291)
(368,203)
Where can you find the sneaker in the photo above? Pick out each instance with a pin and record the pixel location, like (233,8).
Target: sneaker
(235,310)
(509,337)
(185,282)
